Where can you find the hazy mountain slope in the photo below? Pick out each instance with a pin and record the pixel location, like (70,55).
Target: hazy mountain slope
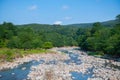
(109,23)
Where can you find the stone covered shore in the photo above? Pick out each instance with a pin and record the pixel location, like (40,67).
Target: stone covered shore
(61,71)
(58,70)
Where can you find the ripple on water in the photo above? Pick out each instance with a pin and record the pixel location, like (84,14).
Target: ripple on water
(74,58)
(81,76)
(23,70)
(18,73)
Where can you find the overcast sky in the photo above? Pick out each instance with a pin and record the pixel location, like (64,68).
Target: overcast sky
(58,11)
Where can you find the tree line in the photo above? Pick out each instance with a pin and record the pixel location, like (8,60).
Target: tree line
(29,37)
(101,39)
(98,38)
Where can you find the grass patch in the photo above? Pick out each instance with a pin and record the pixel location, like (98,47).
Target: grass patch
(7,54)
(97,54)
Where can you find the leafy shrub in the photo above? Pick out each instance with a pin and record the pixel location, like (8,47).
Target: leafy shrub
(47,45)
(9,55)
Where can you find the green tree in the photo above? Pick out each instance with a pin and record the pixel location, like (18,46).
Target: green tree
(26,38)
(96,26)
(47,45)
(37,42)
(113,45)
(118,18)
(14,42)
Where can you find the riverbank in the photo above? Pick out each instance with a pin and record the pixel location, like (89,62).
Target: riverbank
(61,71)
(61,62)
(9,55)
(27,56)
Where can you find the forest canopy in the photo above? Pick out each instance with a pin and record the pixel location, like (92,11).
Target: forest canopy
(97,38)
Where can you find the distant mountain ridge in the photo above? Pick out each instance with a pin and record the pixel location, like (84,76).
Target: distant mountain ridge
(109,23)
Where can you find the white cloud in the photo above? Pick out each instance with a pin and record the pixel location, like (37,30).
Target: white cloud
(65,7)
(68,18)
(58,22)
(33,7)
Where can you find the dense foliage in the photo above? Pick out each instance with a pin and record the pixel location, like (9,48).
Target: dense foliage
(97,38)
(36,36)
(101,39)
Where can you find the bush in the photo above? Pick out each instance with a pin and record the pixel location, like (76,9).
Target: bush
(9,55)
(47,45)
(92,53)
(98,54)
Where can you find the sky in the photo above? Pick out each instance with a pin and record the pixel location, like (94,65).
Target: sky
(58,11)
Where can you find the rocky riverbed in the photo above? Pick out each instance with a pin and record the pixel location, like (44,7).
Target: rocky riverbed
(67,64)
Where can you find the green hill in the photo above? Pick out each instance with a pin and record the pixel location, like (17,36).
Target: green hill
(35,26)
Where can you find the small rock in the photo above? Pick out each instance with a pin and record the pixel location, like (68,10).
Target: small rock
(73,77)
(0,76)
(28,78)
(23,68)
(13,73)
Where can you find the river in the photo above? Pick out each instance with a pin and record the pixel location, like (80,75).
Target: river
(21,72)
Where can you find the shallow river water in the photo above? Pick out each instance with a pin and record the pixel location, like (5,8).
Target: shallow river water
(21,72)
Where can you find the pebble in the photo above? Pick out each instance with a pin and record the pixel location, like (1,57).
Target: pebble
(62,70)
(13,73)
(23,68)
(73,77)
(0,76)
